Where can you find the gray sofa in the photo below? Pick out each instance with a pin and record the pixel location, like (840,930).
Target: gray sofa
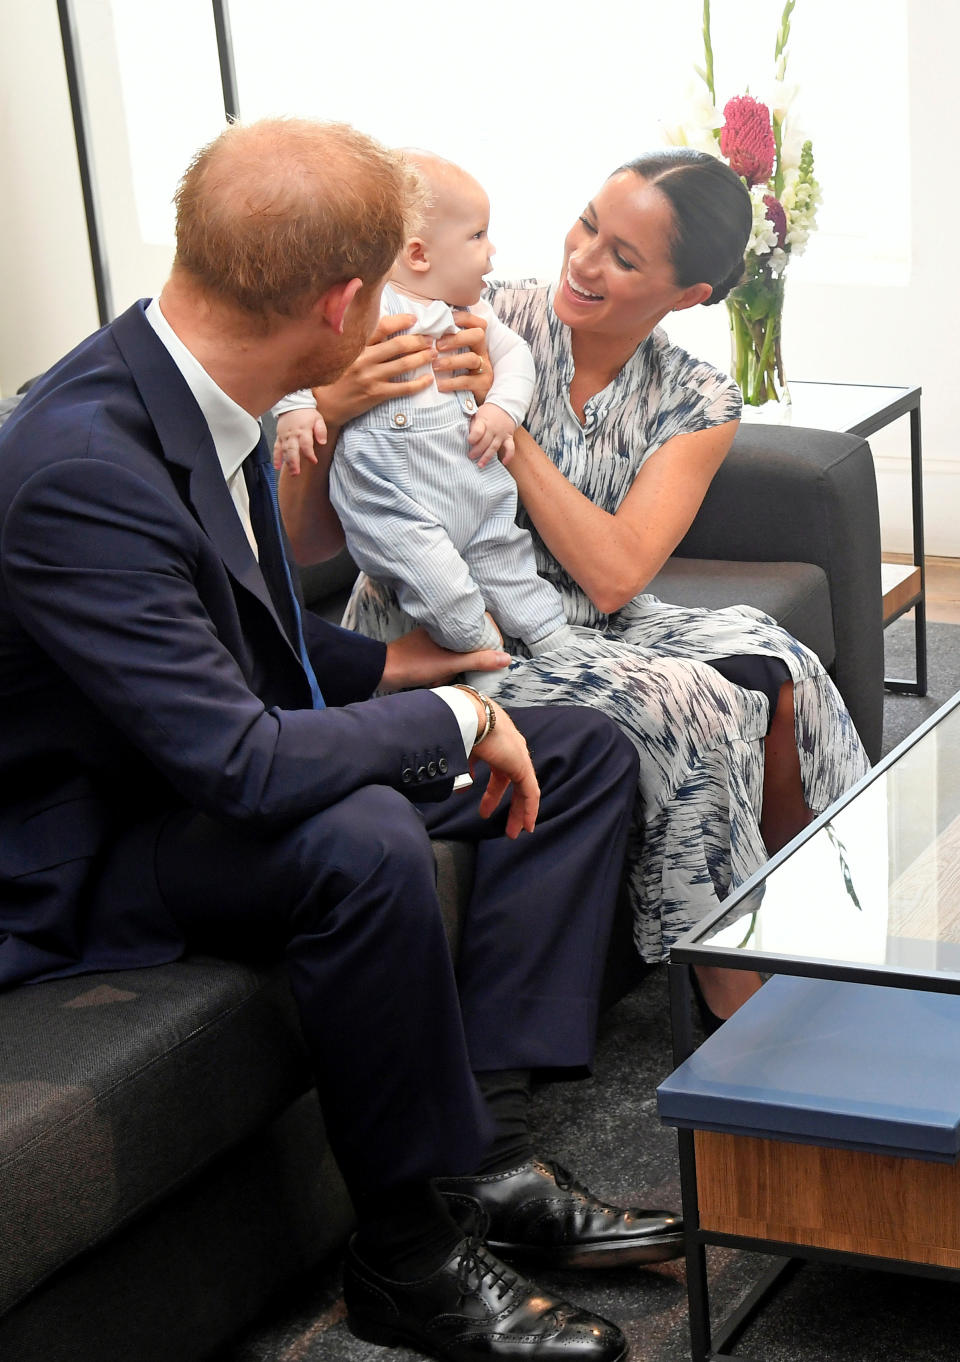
(163,1169)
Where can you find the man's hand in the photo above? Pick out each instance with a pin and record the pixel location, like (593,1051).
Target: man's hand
(491,433)
(371,378)
(415,660)
(297,432)
(471,370)
(504,750)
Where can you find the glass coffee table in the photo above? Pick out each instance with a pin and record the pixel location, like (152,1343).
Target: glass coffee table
(868,894)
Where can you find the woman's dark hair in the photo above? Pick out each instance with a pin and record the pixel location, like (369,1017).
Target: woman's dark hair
(712,215)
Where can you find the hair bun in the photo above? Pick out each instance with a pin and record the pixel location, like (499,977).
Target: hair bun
(721,290)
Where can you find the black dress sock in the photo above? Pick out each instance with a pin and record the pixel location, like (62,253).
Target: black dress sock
(406,1232)
(507,1092)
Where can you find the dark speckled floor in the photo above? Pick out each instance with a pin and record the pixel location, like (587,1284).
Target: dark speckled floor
(607,1131)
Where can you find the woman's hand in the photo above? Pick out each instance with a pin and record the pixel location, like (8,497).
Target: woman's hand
(373,375)
(458,369)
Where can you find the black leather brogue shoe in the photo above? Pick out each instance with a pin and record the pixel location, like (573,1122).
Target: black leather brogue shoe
(538,1212)
(475,1309)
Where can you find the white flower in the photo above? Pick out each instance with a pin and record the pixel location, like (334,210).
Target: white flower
(703,111)
(791,145)
(782,96)
(697,129)
(763,236)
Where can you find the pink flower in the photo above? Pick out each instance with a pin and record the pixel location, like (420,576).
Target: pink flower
(746,139)
(777,216)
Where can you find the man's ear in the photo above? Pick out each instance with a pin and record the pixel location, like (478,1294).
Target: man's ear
(414,254)
(334,304)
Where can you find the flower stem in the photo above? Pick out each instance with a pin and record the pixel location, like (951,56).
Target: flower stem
(783,37)
(755,311)
(708,51)
(778,158)
(763,388)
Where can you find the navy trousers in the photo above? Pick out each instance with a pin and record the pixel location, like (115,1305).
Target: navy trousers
(348,898)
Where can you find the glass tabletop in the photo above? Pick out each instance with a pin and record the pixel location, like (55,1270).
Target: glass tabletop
(875,884)
(859,408)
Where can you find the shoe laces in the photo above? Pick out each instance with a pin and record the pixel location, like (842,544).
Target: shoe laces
(564,1179)
(477,1265)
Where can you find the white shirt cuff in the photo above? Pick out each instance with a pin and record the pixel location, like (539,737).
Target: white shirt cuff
(295,402)
(465,714)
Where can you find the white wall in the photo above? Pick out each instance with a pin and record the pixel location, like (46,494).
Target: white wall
(46,284)
(895,334)
(889,334)
(47,300)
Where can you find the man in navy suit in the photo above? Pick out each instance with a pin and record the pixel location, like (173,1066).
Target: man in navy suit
(189,760)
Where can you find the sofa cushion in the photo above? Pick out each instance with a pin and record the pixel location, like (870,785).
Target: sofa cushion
(114,1088)
(796,595)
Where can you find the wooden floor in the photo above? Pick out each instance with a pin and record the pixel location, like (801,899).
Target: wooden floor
(943,587)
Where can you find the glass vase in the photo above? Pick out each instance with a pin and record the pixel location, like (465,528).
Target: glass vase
(755,310)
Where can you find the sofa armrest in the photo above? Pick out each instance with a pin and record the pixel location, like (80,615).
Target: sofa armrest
(788,493)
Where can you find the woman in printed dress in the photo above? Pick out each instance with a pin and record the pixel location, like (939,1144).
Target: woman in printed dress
(742,735)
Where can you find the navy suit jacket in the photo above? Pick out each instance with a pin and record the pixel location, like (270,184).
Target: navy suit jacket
(142,664)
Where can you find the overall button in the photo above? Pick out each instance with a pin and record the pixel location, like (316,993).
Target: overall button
(470,405)
(399,419)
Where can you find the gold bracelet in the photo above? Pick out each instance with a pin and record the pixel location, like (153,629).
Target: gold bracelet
(489,713)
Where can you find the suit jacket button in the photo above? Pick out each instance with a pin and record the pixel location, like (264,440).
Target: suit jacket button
(431,769)
(421,773)
(406,775)
(442,766)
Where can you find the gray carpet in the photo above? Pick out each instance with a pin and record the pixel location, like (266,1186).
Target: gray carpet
(606,1129)
(903,713)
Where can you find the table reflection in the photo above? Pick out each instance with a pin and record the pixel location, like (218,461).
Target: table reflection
(877,885)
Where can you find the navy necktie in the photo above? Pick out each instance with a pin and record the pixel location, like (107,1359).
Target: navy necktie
(265,519)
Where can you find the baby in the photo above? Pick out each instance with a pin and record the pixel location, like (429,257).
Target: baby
(418,513)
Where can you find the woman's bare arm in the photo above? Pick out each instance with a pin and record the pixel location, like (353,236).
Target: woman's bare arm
(613,556)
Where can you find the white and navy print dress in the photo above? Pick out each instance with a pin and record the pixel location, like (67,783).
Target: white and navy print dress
(696,832)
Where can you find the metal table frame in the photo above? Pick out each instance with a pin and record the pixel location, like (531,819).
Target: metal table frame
(903,401)
(710,1341)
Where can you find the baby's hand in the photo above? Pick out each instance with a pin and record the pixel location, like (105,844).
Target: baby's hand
(296,432)
(491,434)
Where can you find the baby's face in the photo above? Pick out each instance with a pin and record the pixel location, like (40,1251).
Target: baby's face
(458,247)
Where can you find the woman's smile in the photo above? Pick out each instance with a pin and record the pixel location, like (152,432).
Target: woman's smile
(580,292)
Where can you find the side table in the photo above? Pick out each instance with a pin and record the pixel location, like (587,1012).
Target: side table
(863,409)
(865,896)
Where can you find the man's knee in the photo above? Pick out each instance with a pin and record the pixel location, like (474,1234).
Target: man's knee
(577,737)
(370,826)
(371,846)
